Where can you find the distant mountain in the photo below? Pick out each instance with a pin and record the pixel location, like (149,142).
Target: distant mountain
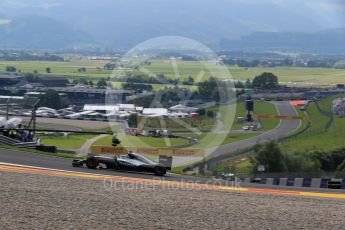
(325,41)
(124,23)
(38,32)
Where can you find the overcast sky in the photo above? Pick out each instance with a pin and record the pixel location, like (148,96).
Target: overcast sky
(332,11)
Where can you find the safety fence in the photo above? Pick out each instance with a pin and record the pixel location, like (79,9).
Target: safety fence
(13,142)
(327,183)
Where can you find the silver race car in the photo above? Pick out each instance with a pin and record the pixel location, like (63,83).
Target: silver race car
(130,162)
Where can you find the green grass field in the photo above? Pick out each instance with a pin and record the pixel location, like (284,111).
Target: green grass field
(67,68)
(66,142)
(263,107)
(61,155)
(285,74)
(207,140)
(260,107)
(131,141)
(186,68)
(213,140)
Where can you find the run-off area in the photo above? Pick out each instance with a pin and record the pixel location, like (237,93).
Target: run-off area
(46,201)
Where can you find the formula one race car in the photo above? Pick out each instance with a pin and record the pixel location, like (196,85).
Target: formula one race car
(130,162)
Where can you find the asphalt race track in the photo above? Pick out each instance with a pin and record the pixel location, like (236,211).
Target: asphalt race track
(50,162)
(284,128)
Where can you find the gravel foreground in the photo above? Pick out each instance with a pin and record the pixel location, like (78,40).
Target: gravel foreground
(31,201)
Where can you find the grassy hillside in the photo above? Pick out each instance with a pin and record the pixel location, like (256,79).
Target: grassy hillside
(315,137)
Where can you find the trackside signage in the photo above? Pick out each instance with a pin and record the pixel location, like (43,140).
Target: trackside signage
(152,151)
(280,117)
(108,150)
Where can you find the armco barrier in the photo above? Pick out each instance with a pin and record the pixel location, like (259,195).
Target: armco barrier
(290,181)
(276,181)
(306,182)
(324,183)
(246,180)
(283,181)
(16,143)
(315,182)
(256,180)
(269,181)
(8,141)
(299,182)
(263,181)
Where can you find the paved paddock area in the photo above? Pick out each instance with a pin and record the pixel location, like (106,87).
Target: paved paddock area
(49,201)
(85,124)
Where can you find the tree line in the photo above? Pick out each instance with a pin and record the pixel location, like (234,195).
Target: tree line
(8,55)
(314,161)
(286,62)
(212,89)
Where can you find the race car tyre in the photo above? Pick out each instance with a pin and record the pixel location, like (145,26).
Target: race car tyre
(77,163)
(159,171)
(91,163)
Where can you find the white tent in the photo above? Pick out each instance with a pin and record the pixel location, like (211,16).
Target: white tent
(46,109)
(3,122)
(154,112)
(183,109)
(127,107)
(100,107)
(14,122)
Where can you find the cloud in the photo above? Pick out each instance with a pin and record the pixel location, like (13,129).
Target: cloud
(323,6)
(29,4)
(332,12)
(15,4)
(47,6)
